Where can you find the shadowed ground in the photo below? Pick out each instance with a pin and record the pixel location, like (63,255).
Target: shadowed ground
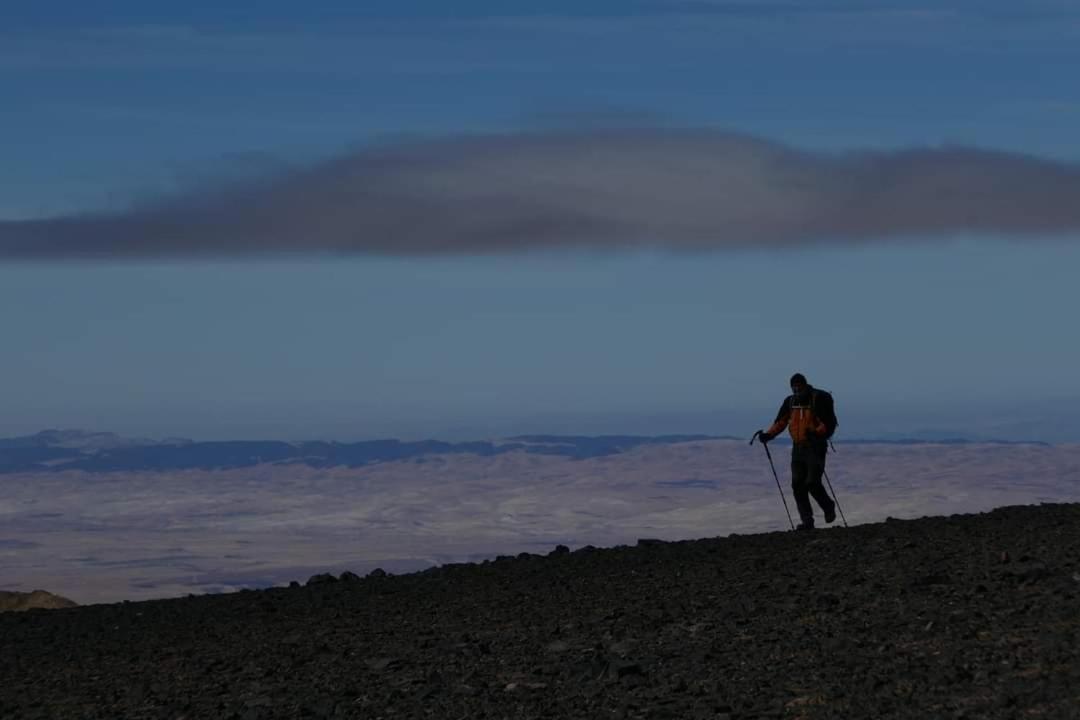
(961,616)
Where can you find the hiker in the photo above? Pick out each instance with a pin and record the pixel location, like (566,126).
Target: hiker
(809,416)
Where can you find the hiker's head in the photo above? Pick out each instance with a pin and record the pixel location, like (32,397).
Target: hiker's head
(799,386)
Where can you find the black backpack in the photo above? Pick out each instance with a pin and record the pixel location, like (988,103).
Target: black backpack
(821,402)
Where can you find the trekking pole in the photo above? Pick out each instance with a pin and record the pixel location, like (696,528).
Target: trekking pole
(833,493)
(778,486)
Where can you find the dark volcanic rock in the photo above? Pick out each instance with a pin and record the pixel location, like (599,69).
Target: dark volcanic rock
(321,579)
(911,619)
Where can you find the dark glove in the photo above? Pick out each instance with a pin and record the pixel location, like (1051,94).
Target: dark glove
(764,437)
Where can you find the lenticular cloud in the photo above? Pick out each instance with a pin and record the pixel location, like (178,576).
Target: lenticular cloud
(662,189)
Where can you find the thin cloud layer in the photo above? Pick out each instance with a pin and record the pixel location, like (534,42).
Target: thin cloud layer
(662,189)
(101,540)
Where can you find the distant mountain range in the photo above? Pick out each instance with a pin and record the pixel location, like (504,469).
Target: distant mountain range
(58,450)
(81,440)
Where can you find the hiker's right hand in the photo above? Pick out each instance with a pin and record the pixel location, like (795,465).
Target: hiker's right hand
(763,436)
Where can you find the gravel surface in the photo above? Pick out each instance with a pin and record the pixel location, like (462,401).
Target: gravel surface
(963,616)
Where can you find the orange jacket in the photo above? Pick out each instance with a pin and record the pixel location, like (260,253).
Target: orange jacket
(801,420)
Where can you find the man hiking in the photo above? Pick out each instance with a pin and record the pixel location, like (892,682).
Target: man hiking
(809,416)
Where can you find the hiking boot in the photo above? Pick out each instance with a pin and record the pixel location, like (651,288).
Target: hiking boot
(830,513)
(806,525)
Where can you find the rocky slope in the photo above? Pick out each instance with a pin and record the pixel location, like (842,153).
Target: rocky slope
(17,601)
(963,616)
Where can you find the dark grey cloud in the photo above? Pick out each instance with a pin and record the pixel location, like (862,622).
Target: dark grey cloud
(656,188)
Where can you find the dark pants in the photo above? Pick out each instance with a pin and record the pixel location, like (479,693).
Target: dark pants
(807,467)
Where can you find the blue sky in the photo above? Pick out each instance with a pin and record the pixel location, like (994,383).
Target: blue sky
(122,104)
